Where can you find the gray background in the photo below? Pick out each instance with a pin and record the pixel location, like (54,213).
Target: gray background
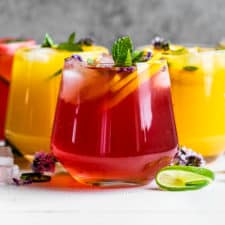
(187,21)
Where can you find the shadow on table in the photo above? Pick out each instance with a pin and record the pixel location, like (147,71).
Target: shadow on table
(62,181)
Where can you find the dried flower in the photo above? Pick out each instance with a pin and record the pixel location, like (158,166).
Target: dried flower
(77,57)
(85,41)
(19,182)
(146,56)
(187,157)
(160,43)
(126,69)
(43,162)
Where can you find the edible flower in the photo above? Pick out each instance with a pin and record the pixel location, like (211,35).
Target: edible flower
(160,43)
(43,162)
(187,157)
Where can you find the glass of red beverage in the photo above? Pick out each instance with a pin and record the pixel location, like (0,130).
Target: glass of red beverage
(8,46)
(114,125)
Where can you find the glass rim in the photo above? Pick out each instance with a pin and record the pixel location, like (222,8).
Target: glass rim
(207,50)
(38,47)
(26,40)
(110,66)
(202,53)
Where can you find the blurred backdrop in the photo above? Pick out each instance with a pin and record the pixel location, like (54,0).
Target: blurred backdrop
(186,21)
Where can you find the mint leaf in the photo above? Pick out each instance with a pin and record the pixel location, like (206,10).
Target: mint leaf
(90,61)
(128,60)
(122,50)
(48,42)
(190,68)
(123,54)
(69,46)
(58,72)
(137,56)
(71,38)
(179,51)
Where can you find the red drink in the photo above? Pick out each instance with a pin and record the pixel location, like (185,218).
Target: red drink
(114,126)
(8,46)
(4,88)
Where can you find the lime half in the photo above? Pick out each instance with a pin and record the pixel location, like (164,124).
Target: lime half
(181,178)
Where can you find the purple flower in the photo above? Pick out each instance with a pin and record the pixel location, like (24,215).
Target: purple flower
(19,182)
(187,157)
(147,56)
(160,43)
(77,57)
(163,68)
(86,41)
(126,69)
(43,162)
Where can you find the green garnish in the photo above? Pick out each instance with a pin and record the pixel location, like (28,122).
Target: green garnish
(58,72)
(35,177)
(69,45)
(137,56)
(121,51)
(190,68)
(48,42)
(90,61)
(182,178)
(178,51)
(123,54)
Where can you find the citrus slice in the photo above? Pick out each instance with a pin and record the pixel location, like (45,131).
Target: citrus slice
(181,178)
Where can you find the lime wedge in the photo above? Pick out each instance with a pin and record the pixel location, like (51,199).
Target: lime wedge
(181,178)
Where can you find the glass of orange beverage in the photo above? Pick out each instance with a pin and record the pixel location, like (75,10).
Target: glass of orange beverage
(33,95)
(197,80)
(198,92)
(8,47)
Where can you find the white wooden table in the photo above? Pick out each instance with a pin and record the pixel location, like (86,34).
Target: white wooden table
(63,201)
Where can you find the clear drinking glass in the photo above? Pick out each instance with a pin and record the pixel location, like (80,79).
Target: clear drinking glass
(8,47)
(114,125)
(33,96)
(198,93)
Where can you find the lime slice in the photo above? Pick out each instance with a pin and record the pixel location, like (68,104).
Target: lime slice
(181,178)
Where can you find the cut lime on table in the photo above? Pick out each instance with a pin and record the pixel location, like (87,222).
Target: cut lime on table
(181,178)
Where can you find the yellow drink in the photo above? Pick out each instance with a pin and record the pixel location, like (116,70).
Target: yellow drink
(33,96)
(198,93)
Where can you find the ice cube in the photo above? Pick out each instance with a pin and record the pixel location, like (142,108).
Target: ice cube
(7,168)
(106,59)
(6,156)
(39,54)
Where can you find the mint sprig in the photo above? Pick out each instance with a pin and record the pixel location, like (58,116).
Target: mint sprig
(69,45)
(124,55)
(121,51)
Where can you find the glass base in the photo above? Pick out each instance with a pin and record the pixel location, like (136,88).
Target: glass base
(112,183)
